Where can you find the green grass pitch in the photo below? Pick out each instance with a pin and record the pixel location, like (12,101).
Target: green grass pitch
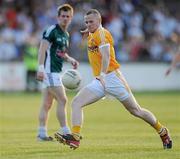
(109,131)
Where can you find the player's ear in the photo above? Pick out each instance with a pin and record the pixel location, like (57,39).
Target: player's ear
(57,18)
(100,20)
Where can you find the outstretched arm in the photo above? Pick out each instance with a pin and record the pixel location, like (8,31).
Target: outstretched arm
(71,60)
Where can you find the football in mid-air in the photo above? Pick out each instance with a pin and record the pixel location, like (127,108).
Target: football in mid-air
(71,79)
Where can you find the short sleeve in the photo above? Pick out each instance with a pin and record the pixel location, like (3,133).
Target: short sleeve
(103,37)
(48,34)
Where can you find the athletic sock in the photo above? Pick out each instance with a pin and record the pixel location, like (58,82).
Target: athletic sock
(65,130)
(76,129)
(42,131)
(76,132)
(159,127)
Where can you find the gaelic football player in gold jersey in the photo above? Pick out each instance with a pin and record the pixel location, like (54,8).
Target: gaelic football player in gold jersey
(108,80)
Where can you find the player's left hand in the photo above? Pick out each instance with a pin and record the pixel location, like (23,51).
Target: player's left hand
(74,63)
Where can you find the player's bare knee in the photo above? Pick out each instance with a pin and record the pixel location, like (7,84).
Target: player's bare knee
(63,101)
(47,105)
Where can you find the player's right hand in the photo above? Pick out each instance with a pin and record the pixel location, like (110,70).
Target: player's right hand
(84,33)
(101,80)
(40,76)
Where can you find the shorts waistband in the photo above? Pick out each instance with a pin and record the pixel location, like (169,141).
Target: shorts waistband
(114,71)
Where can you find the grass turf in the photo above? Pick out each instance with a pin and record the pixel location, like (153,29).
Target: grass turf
(109,131)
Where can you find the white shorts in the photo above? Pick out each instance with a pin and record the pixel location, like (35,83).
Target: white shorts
(52,79)
(115,85)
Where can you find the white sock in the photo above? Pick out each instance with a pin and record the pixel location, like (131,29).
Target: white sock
(42,131)
(65,130)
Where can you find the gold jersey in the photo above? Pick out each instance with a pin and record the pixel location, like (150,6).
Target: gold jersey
(100,37)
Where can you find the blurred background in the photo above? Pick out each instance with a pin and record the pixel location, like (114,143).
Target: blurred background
(146,37)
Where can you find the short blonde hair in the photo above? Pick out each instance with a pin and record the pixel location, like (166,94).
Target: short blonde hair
(65,7)
(93,11)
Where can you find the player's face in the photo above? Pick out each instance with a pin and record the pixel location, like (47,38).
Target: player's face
(65,18)
(92,22)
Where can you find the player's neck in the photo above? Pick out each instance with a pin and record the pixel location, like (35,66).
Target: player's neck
(63,27)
